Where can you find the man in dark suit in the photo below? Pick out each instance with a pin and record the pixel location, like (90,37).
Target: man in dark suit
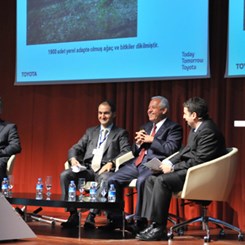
(96,150)
(9,143)
(205,142)
(160,137)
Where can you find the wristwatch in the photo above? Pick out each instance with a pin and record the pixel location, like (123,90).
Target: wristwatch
(113,163)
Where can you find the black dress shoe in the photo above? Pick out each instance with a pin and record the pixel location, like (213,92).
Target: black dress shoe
(72,221)
(137,226)
(111,225)
(147,230)
(90,222)
(155,234)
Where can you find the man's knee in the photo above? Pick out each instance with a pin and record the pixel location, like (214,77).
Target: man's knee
(63,175)
(142,179)
(111,179)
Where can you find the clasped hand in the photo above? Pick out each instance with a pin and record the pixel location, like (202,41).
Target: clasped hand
(142,137)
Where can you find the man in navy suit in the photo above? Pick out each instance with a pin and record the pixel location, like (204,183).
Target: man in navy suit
(9,143)
(205,142)
(164,141)
(96,151)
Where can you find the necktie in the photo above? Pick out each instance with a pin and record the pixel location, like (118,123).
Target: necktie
(96,161)
(103,137)
(139,159)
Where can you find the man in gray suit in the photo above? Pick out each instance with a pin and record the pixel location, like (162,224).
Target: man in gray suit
(96,151)
(205,142)
(9,143)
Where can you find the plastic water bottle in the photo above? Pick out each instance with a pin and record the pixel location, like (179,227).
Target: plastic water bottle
(92,191)
(5,187)
(112,193)
(39,189)
(72,191)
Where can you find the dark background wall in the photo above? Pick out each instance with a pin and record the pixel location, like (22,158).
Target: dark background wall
(52,118)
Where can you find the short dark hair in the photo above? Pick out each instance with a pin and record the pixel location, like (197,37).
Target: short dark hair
(198,105)
(110,103)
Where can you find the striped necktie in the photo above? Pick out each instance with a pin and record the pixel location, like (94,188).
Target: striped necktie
(139,159)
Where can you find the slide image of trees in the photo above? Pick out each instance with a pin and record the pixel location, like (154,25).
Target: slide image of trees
(54,21)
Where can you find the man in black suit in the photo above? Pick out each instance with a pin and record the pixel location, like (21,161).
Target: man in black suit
(205,142)
(160,137)
(9,143)
(96,151)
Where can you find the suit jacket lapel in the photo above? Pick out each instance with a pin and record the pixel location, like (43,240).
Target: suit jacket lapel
(95,136)
(148,128)
(191,138)
(194,133)
(163,127)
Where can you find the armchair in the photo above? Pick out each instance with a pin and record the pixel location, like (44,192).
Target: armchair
(207,182)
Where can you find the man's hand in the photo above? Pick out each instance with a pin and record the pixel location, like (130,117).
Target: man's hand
(106,168)
(141,137)
(166,166)
(74,162)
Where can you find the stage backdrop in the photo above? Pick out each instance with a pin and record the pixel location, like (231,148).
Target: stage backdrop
(51,119)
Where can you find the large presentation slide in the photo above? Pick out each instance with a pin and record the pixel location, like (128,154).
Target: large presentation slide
(236,39)
(92,41)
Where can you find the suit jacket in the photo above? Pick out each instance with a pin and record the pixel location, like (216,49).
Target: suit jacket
(9,141)
(205,144)
(167,140)
(116,145)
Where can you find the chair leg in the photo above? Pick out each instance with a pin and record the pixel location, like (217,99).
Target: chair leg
(225,224)
(172,220)
(183,224)
(129,217)
(205,220)
(36,216)
(187,222)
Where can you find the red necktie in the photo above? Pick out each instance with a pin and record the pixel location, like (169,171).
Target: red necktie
(139,159)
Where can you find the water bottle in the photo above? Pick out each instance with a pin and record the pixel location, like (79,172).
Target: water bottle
(92,191)
(72,191)
(5,187)
(112,193)
(39,189)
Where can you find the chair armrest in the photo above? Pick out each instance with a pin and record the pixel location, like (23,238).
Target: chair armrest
(172,155)
(67,165)
(10,165)
(122,159)
(132,184)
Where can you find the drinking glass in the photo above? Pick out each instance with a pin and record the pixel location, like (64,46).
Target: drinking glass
(48,184)
(10,183)
(104,189)
(81,186)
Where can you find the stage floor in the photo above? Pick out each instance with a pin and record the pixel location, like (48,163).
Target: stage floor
(48,234)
